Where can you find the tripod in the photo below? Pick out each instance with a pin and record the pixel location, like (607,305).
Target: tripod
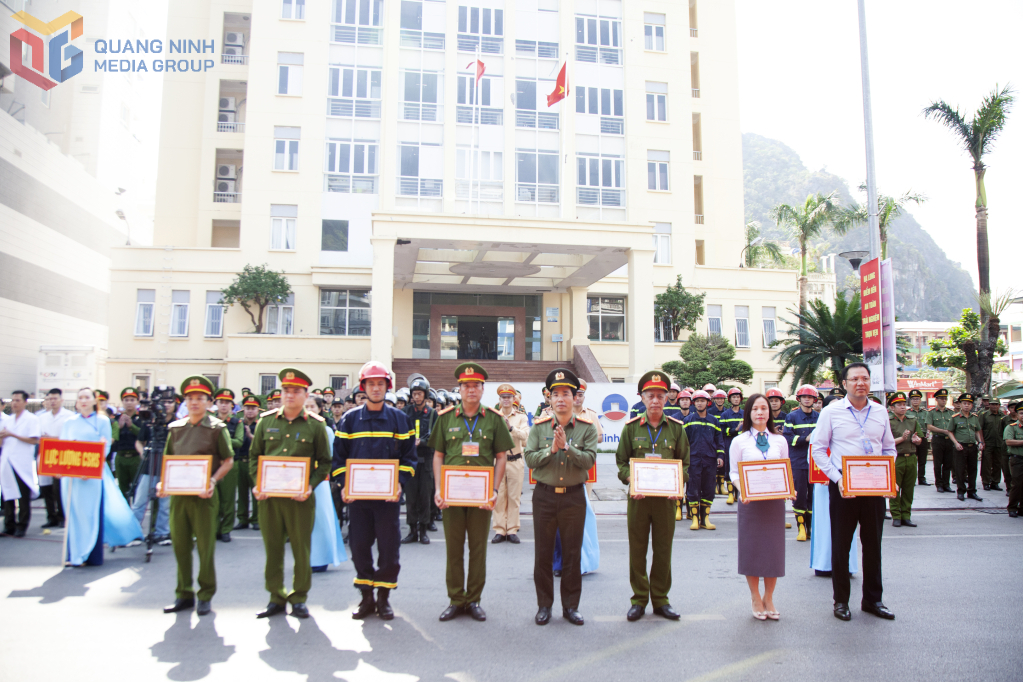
(149,468)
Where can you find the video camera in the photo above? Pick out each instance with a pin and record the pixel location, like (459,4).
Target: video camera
(150,407)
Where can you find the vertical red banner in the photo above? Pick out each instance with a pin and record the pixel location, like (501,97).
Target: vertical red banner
(870,307)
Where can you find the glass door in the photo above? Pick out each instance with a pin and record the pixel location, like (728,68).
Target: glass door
(449,337)
(506,338)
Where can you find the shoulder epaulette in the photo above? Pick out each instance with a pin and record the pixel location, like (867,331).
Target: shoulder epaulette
(179,422)
(268,412)
(638,416)
(316,416)
(217,422)
(541,420)
(584,420)
(674,419)
(445,410)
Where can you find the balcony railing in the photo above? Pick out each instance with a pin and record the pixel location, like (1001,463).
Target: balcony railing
(699,219)
(692,33)
(233,127)
(483,190)
(420,187)
(541,50)
(612,126)
(535,119)
(598,55)
(416,111)
(599,196)
(357,108)
(696,92)
(484,115)
(227,197)
(350,184)
(362,35)
(697,155)
(234,59)
(468,42)
(419,39)
(544,194)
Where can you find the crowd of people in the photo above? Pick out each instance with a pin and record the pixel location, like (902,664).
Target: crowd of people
(424,430)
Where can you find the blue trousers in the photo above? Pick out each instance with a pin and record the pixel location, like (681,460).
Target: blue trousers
(377,521)
(702,473)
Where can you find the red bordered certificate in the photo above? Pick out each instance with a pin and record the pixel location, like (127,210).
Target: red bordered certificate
(868,476)
(283,476)
(186,474)
(371,479)
(769,479)
(466,486)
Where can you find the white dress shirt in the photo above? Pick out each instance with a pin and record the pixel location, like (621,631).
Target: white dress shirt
(744,449)
(17,456)
(849,432)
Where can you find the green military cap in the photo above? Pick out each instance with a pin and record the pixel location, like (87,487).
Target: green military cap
(875,399)
(274,394)
(100,393)
(653,379)
(470,371)
(196,384)
(327,390)
(246,390)
(837,391)
(290,376)
(251,400)
(1012,406)
(984,396)
(224,394)
(562,377)
(968,397)
(897,397)
(915,393)
(129,393)
(941,393)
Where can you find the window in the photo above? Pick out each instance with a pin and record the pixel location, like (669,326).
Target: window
(653,31)
(141,381)
(536,176)
(293,9)
(694,72)
(525,95)
(145,302)
(338,383)
(480,28)
(742,326)
(697,138)
(334,235)
(346,156)
(603,101)
(358,12)
(770,330)
(488,166)
(283,226)
(419,90)
(656,101)
(714,320)
(214,379)
(663,331)
(289,73)
(1015,334)
(214,314)
(606,317)
(44,97)
(412,15)
(179,313)
(280,319)
(662,243)
(466,90)
(698,198)
(657,170)
(360,89)
(598,40)
(701,258)
(286,148)
(267,383)
(409,161)
(768,385)
(599,180)
(344,312)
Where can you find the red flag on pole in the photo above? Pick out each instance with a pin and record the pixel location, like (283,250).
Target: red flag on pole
(480,68)
(560,87)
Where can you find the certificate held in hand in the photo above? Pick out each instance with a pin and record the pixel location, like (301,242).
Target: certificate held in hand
(466,486)
(371,479)
(186,474)
(769,479)
(282,476)
(655,477)
(868,476)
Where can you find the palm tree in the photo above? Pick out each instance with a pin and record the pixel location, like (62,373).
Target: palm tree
(822,339)
(978,137)
(888,209)
(808,222)
(762,251)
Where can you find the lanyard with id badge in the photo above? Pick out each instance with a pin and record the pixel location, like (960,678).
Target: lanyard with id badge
(868,449)
(653,441)
(471,449)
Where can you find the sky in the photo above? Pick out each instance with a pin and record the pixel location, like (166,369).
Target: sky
(800,83)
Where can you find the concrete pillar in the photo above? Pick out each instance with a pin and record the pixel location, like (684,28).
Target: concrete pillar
(640,313)
(579,328)
(382,305)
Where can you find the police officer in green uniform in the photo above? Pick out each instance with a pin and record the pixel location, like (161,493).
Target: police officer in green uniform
(246,430)
(127,444)
(967,438)
(468,435)
(1012,435)
(289,431)
(994,449)
(195,516)
(908,433)
(658,436)
(939,421)
(561,449)
(227,489)
(919,412)
(1007,419)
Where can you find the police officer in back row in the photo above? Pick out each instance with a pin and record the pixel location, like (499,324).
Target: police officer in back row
(939,421)
(967,439)
(908,433)
(419,488)
(919,412)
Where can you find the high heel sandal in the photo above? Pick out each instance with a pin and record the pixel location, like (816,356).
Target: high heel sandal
(759,615)
(773,615)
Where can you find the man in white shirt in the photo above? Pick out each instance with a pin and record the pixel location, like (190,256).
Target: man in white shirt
(854,427)
(19,432)
(51,420)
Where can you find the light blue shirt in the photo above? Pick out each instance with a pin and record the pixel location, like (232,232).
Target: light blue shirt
(843,428)
(92,428)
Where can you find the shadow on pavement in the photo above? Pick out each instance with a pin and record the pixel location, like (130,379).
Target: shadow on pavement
(195,650)
(70,582)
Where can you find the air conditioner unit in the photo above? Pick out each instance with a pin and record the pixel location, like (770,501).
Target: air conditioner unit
(227,171)
(234,38)
(225,186)
(227,104)
(234,50)
(226,117)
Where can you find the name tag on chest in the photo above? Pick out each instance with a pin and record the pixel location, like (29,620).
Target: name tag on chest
(470,449)
(653,455)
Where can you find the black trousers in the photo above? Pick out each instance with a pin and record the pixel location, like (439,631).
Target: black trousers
(377,521)
(846,513)
(1016,487)
(24,508)
(921,461)
(419,492)
(554,512)
(966,469)
(54,505)
(804,498)
(941,452)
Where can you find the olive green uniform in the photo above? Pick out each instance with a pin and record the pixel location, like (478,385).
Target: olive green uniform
(965,431)
(1014,431)
(190,515)
(227,487)
(651,518)
(901,505)
(283,517)
(921,450)
(488,430)
(1007,455)
(994,448)
(942,450)
(126,459)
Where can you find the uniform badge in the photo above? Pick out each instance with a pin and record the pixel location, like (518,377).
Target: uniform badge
(468,370)
(194,382)
(559,376)
(289,375)
(656,377)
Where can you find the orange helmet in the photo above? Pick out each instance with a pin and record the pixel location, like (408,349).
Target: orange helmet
(734,391)
(775,393)
(374,370)
(808,390)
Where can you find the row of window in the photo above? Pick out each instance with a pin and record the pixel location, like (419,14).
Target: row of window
(606,317)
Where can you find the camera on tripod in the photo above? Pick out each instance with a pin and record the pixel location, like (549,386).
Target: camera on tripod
(151,406)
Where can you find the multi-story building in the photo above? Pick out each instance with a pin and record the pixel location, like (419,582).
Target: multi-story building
(423,213)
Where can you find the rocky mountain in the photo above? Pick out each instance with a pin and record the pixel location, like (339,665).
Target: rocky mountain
(928,285)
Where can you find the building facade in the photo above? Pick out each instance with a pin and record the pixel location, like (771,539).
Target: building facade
(424,213)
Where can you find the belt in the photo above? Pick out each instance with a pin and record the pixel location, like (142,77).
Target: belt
(566,489)
(939,435)
(512,458)
(127,453)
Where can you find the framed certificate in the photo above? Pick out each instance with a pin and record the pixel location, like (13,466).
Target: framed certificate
(769,479)
(591,475)
(186,474)
(282,476)
(816,474)
(868,476)
(371,479)
(655,477)
(466,486)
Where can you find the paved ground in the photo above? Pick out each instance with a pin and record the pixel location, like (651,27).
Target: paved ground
(952,583)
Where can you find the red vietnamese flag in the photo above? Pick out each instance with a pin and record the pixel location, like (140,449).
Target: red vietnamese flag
(480,68)
(560,87)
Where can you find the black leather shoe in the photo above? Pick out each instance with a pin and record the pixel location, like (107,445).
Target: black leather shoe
(897,522)
(226,537)
(667,612)
(50,524)
(974,496)
(987,487)
(573,616)
(300,610)
(879,610)
(424,539)
(635,613)
(842,611)
(995,486)
(413,535)
(498,538)
(438,515)
(476,612)
(513,538)
(948,489)
(543,615)
(822,574)
(366,607)
(19,532)
(179,605)
(241,526)
(557,574)
(255,526)
(384,609)
(922,481)
(962,498)
(203,608)
(908,523)
(452,612)
(272,609)
(1013,514)
(432,527)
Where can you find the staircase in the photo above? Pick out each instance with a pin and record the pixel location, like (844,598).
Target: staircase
(441,373)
